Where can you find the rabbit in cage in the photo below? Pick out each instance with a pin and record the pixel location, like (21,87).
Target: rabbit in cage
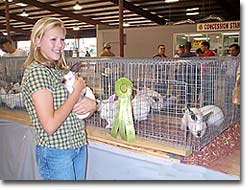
(155,99)
(12,100)
(108,110)
(68,81)
(197,120)
(141,105)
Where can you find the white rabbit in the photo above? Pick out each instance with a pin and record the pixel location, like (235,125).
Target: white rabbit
(198,119)
(13,100)
(108,109)
(69,80)
(140,106)
(155,100)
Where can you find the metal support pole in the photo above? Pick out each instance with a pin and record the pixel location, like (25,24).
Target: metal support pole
(7,15)
(121,38)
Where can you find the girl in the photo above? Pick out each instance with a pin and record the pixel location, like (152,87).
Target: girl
(60,134)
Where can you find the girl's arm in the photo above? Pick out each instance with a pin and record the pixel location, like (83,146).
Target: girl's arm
(85,105)
(49,118)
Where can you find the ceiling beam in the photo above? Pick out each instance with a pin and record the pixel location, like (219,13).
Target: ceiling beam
(57,10)
(29,21)
(141,12)
(19,18)
(16,30)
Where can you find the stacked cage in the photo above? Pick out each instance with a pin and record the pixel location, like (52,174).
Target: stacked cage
(10,83)
(171,87)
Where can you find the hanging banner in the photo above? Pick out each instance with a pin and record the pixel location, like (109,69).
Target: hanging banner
(218,26)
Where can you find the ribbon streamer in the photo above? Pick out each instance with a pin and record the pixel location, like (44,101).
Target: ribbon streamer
(123,121)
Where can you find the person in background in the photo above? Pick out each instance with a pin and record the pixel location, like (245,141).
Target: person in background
(234,50)
(7,46)
(106,74)
(205,49)
(199,52)
(87,54)
(180,51)
(60,134)
(188,52)
(160,51)
(107,50)
(160,73)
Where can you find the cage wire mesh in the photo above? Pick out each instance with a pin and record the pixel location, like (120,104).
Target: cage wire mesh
(171,86)
(165,87)
(10,83)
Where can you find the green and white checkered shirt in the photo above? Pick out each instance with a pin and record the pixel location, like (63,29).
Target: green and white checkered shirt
(71,134)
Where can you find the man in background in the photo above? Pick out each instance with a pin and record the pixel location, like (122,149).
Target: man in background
(7,46)
(160,51)
(107,50)
(205,49)
(180,51)
(234,50)
(188,52)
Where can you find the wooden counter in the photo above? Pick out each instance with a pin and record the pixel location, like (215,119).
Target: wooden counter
(96,134)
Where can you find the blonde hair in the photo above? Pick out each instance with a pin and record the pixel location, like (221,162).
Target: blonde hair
(38,31)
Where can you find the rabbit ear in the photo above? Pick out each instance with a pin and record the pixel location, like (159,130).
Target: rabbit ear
(192,114)
(206,117)
(112,98)
(76,67)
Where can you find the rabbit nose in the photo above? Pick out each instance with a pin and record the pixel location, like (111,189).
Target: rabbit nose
(199,133)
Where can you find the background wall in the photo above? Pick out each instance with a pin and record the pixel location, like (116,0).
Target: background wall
(142,42)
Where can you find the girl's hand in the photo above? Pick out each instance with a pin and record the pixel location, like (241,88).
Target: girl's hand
(84,106)
(79,84)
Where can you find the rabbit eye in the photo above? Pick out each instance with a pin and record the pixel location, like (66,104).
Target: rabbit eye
(193,116)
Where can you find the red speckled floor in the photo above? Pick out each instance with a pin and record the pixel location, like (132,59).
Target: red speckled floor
(222,154)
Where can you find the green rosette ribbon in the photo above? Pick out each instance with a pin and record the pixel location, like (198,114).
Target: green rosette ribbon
(123,121)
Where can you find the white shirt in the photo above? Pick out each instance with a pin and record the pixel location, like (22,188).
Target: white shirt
(17,53)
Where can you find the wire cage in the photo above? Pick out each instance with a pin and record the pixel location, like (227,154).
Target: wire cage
(172,85)
(10,83)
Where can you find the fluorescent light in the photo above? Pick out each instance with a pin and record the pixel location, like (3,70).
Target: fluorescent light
(192,13)
(231,33)
(21,4)
(77,7)
(171,1)
(195,35)
(193,9)
(202,38)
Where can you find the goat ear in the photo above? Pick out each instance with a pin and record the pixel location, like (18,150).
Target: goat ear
(206,117)
(76,67)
